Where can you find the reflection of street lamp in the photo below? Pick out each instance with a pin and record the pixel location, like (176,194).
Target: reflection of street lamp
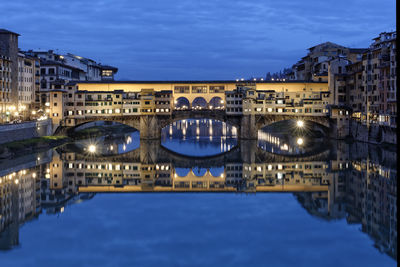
(300,141)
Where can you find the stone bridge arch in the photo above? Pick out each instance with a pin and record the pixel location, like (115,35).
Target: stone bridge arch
(132,121)
(218,115)
(266,120)
(251,124)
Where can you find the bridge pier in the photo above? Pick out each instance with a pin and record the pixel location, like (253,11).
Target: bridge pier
(248,127)
(248,149)
(150,128)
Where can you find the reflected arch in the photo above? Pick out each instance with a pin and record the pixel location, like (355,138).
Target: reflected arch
(308,125)
(199,103)
(84,124)
(216,103)
(182,172)
(217,171)
(182,103)
(199,172)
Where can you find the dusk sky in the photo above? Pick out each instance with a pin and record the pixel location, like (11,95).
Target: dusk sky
(195,40)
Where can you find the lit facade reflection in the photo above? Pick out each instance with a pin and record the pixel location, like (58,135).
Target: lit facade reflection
(341,183)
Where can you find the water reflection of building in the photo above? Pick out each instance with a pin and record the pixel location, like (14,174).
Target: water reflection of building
(336,187)
(371,200)
(19,203)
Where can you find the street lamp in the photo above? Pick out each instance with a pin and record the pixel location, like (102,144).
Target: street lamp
(300,123)
(92,148)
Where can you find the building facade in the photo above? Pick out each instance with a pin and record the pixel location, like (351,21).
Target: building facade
(9,53)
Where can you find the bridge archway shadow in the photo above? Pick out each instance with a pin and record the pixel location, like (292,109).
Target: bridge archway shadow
(297,126)
(100,127)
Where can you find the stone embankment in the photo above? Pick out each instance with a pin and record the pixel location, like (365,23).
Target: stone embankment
(375,134)
(26,130)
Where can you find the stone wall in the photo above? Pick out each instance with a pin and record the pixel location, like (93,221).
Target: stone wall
(375,134)
(26,130)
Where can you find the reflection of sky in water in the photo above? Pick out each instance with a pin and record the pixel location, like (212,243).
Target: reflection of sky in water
(215,171)
(118,144)
(199,137)
(132,141)
(182,172)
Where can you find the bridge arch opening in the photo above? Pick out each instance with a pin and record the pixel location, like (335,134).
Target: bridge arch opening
(182,103)
(293,137)
(199,137)
(298,126)
(105,125)
(216,103)
(199,103)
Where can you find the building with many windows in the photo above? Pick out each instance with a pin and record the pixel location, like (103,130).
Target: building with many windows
(9,87)
(28,79)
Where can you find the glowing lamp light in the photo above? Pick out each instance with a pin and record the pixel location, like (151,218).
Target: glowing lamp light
(300,141)
(300,123)
(92,148)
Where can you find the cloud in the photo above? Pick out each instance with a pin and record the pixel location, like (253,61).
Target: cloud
(183,39)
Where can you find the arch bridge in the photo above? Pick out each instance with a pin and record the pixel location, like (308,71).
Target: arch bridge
(150,126)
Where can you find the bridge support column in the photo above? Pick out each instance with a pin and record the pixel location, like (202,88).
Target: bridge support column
(149,151)
(149,127)
(248,149)
(248,127)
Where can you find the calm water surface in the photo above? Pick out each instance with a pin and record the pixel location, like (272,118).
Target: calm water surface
(246,207)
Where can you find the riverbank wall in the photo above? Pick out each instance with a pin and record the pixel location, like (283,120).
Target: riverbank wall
(26,130)
(374,134)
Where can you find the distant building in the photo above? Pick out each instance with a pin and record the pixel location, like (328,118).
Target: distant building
(5,87)
(57,70)
(9,87)
(363,79)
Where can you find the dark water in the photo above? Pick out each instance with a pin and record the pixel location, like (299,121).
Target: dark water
(300,206)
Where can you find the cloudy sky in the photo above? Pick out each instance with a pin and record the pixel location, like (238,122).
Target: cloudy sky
(188,39)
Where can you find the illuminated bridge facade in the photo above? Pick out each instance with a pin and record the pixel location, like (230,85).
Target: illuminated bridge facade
(150,106)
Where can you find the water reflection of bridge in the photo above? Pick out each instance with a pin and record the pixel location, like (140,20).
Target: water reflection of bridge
(247,151)
(154,168)
(337,185)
